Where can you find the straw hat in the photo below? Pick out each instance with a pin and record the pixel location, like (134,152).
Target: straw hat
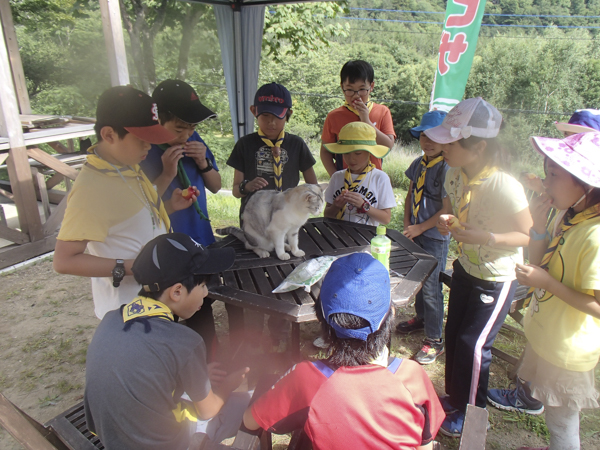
(356,137)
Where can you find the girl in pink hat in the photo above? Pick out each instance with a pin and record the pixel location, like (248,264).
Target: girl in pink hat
(562,322)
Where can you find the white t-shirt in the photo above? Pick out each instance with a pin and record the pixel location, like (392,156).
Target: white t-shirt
(109,213)
(376,188)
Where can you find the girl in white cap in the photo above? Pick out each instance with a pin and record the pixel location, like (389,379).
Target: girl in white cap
(490,223)
(562,322)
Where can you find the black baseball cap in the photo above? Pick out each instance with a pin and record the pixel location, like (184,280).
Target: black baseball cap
(272,98)
(129,108)
(171,258)
(181,100)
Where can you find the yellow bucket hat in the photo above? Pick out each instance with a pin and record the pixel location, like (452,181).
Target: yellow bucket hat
(355,137)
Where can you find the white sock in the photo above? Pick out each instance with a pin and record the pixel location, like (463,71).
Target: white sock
(563,424)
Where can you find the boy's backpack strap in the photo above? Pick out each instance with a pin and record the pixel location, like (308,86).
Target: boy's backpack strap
(323,368)
(394,364)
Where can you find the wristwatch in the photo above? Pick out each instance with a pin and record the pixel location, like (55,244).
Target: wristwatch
(243,187)
(118,273)
(208,168)
(366,206)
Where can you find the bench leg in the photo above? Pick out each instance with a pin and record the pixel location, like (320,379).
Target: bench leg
(296,355)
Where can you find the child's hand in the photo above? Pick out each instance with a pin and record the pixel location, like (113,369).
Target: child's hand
(256,184)
(232,381)
(539,208)
(534,276)
(170,158)
(197,151)
(340,200)
(363,111)
(470,235)
(354,198)
(412,231)
(178,202)
(215,375)
(443,224)
(532,182)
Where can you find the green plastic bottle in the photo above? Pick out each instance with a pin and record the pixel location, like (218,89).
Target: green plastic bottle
(381,247)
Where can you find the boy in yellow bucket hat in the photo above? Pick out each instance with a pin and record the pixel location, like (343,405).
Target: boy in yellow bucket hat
(361,193)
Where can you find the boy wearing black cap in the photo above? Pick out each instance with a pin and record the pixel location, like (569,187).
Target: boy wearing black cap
(185,160)
(113,209)
(140,362)
(359,397)
(270,158)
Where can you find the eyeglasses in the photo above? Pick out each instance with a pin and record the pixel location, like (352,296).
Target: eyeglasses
(351,92)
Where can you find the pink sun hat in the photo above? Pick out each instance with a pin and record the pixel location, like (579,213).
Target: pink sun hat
(578,154)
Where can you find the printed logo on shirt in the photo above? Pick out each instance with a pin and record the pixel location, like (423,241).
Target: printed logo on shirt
(362,190)
(264,161)
(486,298)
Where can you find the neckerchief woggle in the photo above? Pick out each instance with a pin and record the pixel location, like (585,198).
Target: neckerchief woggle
(419,188)
(276,151)
(558,240)
(157,207)
(349,185)
(185,181)
(467,187)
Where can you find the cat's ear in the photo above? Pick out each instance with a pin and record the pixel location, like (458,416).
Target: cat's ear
(323,186)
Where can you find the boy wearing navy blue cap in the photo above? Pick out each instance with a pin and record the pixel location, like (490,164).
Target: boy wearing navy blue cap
(269,159)
(425,201)
(141,362)
(359,397)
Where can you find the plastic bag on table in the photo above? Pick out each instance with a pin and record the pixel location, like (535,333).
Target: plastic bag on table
(306,274)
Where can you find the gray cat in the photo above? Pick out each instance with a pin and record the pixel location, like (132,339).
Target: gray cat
(271,218)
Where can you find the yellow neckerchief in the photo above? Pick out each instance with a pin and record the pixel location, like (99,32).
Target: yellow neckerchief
(349,107)
(419,188)
(349,185)
(158,211)
(467,189)
(146,307)
(382,358)
(558,240)
(275,149)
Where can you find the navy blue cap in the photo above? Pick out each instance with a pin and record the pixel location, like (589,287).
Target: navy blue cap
(272,98)
(356,284)
(429,120)
(582,121)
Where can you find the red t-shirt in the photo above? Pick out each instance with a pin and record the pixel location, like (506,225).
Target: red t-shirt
(354,407)
(380,115)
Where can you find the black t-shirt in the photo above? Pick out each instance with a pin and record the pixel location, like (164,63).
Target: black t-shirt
(254,158)
(134,381)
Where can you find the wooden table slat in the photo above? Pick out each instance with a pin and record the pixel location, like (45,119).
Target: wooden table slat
(343,235)
(246,282)
(354,233)
(308,244)
(317,238)
(328,234)
(276,278)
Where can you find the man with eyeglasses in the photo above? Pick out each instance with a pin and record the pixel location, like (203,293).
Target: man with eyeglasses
(357,82)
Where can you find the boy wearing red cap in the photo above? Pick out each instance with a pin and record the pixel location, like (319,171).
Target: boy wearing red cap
(113,209)
(360,396)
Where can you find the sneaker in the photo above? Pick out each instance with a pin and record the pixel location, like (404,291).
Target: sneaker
(430,351)
(414,324)
(445,401)
(453,424)
(515,400)
(321,343)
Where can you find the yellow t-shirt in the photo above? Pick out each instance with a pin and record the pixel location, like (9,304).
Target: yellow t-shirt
(491,202)
(110,213)
(559,333)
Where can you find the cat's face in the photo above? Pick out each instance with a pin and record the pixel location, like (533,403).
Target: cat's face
(313,198)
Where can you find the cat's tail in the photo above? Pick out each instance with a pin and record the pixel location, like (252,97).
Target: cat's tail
(237,232)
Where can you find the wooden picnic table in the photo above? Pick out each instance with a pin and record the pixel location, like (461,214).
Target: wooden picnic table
(249,282)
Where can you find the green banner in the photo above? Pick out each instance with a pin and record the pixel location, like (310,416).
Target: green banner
(457,48)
